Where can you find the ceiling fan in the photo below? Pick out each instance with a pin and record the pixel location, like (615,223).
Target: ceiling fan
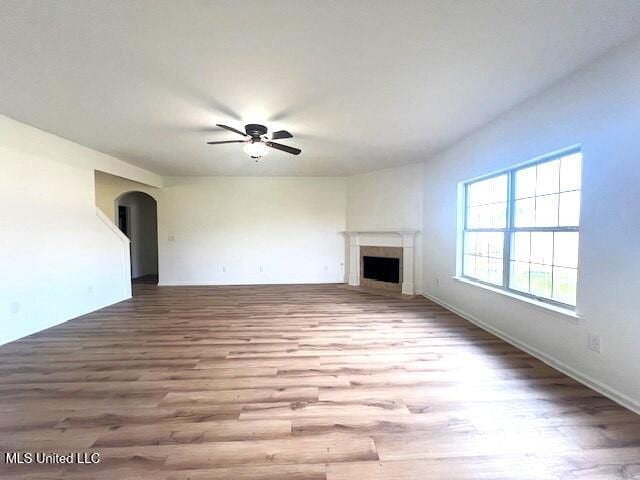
(256,140)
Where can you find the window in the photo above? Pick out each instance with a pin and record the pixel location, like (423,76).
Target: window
(521,228)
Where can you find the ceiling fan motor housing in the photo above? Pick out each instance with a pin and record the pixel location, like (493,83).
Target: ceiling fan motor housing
(255,130)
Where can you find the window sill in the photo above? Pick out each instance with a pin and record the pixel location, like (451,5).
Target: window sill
(531,301)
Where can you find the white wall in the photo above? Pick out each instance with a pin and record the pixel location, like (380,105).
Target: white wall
(58,259)
(143,233)
(599,108)
(389,199)
(290,227)
(111,187)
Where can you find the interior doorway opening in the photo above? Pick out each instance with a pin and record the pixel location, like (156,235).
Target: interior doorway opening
(137,218)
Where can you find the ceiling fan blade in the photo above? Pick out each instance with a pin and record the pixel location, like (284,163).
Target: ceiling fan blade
(231,129)
(280,134)
(226,141)
(284,148)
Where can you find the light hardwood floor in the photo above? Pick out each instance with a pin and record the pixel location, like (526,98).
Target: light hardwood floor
(299,382)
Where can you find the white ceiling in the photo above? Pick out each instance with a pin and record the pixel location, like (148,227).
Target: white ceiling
(362,84)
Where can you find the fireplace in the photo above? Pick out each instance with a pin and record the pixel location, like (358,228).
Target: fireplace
(391,263)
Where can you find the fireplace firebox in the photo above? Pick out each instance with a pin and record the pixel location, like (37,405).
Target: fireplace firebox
(382,269)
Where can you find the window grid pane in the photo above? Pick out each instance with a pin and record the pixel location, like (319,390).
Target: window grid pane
(484,256)
(570,172)
(548,194)
(542,260)
(545,264)
(487,203)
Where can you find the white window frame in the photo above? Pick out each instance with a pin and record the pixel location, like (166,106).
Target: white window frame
(510,228)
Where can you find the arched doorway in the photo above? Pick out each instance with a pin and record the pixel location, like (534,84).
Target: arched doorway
(137,218)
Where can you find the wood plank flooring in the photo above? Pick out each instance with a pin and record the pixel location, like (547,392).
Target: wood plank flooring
(298,382)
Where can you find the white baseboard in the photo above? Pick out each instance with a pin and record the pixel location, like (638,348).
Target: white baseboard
(607,391)
(231,284)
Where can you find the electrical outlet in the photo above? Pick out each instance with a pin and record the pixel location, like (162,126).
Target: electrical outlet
(172,238)
(593,343)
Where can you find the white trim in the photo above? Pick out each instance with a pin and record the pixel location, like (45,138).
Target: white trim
(408,288)
(231,284)
(603,389)
(531,301)
(398,232)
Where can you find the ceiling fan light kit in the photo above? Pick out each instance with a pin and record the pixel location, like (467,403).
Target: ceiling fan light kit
(257,142)
(255,149)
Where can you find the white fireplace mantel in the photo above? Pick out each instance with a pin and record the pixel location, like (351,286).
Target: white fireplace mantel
(383,238)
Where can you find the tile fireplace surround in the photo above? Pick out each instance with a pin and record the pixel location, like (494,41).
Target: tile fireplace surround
(404,239)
